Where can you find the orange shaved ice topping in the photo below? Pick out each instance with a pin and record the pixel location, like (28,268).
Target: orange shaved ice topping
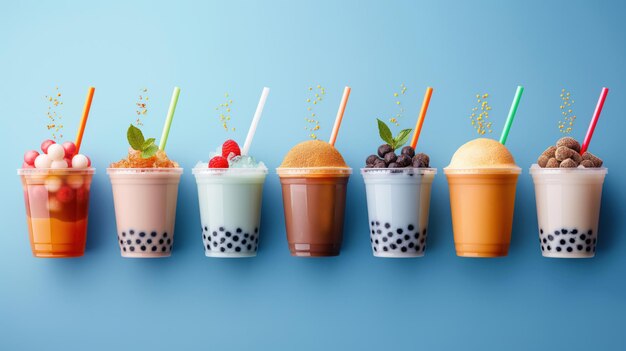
(134,160)
(313,153)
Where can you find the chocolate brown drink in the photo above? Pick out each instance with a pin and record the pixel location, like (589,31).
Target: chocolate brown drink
(314,178)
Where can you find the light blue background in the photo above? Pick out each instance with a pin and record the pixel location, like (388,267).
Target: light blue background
(275,301)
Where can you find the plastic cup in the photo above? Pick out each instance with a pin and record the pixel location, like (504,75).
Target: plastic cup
(57,204)
(314,200)
(230,210)
(145,209)
(568,210)
(398,203)
(482,203)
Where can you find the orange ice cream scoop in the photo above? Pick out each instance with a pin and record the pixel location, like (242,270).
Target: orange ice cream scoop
(313,153)
(482,153)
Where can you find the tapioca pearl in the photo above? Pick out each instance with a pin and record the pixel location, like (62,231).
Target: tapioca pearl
(418,248)
(378,231)
(165,235)
(387,225)
(222,240)
(557,232)
(373,231)
(371,240)
(588,249)
(131,248)
(393,246)
(564,231)
(229,245)
(154,248)
(399,231)
(121,242)
(215,244)
(228,234)
(579,247)
(163,249)
(143,247)
(385,248)
(235,238)
(562,241)
(569,249)
(549,248)
(589,232)
(169,241)
(385,239)
(574,231)
(221,229)
(129,241)
(542,249)
(203,237)
(238,249)
(256,241)
(375,249)
(149,241)
(132,232)
(416,235)
(206,229)
(222,249)
(572,240)
(588,241)
(403,249)
(398,241)
(545,241)
(124,248)
(372,223)
(407,237)
(540,231)
(410,227)
(244,241)
(161,241)
(249,247)
(411,245)
(558,248)
(138,241)
(123,233)
(390,234)
(142,234)
(583,237)
(377,223)
(550,237)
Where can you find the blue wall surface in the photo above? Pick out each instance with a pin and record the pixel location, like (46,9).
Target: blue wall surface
(275,301)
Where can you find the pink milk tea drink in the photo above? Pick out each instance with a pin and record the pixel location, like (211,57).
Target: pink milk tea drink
(56,187)
(145,192)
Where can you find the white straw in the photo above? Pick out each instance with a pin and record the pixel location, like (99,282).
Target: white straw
(255,121)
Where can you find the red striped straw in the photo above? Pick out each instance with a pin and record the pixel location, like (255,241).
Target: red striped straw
(594,120)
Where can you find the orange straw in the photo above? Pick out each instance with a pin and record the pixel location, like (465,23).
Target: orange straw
(420,119)
(83,119)
(342,109)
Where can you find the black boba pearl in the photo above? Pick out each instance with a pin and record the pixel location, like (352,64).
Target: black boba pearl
(221,229)
(416,235)
(542,249)
(132,248)
(387,225)
(206,229)
(238,249)
(541,231)
(372,223)
(377,223)
(229,245)
(203,237)
(544,240)
(371,240)
(154,247)
(138,241)
(375,249)
(373,231)
(556,232)
(418,248)
(154,234)
(247,235)
(249,247)
(558,248)
(376,241)
(222,240)
(549,248)
(124,249)
(149,241)
(161,241)
(244,241)
(564,231)
(393,246)
(569,249)
(579,247)
(399,231)
(129,241)
(256,230)
(142,234)
(235,238)
(384,149)
(407,237)
(163,249)
(399,241)
(121,242)
(588,241)
(550,237)
(228,234)
(252,237)
(562,241)
(143,248)
(132,232)
(215,244)
(238,230)
(411,244)
(385,248)
(390,234)
(165,235)
(589,232)
(574,231)
(222,249)
(583,237)
(572,240)
(385,239)
(378,231)
(403,249)
(169,241)
(123,233)
(411,227)
(588,248)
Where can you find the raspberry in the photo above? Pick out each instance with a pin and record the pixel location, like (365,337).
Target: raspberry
(230,146)
(219,162)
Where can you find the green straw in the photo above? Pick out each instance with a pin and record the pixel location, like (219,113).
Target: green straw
(169,118)
(512,111)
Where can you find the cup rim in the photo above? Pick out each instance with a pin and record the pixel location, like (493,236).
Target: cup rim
(390,171)
(292,171)
(55,171)
(172,170)
(205,171)
(484,170)
(535,169)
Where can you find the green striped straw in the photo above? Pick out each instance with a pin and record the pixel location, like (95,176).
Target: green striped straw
(512,111)
(169,118)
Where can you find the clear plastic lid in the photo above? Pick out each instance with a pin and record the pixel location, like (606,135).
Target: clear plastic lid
(54,171)
(201,171)
(173,170)
(314,171)
(386,171)
(485,170)
(535,169)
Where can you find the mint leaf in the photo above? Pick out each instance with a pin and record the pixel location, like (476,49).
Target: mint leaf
(385,133)
(149,151)
(147,143)
(402,137)
(135,138)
